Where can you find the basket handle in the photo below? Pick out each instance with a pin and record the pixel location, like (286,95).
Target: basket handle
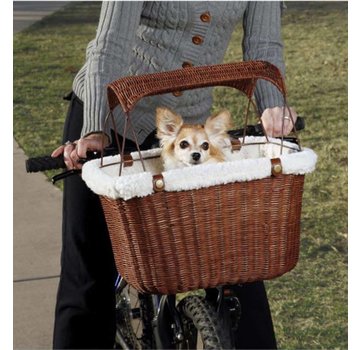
(243,76)
(128,91)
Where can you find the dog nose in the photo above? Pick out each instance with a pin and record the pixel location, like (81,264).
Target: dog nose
(196,156)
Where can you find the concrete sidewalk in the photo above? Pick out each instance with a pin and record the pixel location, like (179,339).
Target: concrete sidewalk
(36,228)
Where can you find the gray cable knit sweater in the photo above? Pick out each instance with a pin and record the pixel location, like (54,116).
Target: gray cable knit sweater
(135,37)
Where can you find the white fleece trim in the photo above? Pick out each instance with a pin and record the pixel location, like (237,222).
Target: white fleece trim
(250,163)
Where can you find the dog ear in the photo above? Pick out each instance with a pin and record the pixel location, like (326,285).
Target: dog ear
(218,124)
(168,123)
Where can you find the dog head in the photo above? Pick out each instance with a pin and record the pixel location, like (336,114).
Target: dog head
(187,144)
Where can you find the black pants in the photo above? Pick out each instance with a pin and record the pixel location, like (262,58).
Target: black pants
(85,308)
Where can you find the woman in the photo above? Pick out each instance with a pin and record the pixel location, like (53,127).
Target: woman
(137,38)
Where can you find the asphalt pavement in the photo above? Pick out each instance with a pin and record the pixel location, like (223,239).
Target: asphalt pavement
(36,228)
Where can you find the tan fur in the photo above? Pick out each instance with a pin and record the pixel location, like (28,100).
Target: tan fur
(171,132)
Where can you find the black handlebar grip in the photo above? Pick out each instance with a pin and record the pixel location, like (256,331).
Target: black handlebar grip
(34,165)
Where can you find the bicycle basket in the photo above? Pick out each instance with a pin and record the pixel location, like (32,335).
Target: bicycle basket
(208,225)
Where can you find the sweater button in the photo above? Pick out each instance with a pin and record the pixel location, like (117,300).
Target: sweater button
(177,93)
(187,64)
(205,17)
(197,40)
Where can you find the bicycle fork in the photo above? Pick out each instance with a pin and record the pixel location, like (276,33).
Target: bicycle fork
(167,325)
(227,305)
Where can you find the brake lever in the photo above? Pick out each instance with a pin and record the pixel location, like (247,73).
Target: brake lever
(65,174)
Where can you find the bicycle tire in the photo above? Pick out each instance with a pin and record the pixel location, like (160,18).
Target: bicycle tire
(197,313)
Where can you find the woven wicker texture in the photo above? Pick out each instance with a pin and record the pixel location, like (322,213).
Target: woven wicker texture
(241,75)
(177,241)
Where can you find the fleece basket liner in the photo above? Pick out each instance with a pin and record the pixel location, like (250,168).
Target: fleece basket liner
(251,162)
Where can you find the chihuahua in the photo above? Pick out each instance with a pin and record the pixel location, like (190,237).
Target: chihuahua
(187,144)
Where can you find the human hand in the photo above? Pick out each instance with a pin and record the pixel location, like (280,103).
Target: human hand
(272,119)
(73,151)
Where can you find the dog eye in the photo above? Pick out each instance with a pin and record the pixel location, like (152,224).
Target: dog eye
(184,144)
(205,146)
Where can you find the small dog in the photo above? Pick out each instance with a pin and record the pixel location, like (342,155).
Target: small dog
(186,144)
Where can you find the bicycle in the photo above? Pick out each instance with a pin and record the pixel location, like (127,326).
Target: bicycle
(207,318)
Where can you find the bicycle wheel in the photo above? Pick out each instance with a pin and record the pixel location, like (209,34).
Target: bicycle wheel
(134,313)
(202,326)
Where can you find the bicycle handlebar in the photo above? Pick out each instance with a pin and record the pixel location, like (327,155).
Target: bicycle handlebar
(43,163)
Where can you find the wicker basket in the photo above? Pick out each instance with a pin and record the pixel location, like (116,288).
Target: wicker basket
(240,231)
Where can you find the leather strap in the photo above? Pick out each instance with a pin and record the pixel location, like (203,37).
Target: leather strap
(158,183)
(276,167)
(128,160)
(236,145)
